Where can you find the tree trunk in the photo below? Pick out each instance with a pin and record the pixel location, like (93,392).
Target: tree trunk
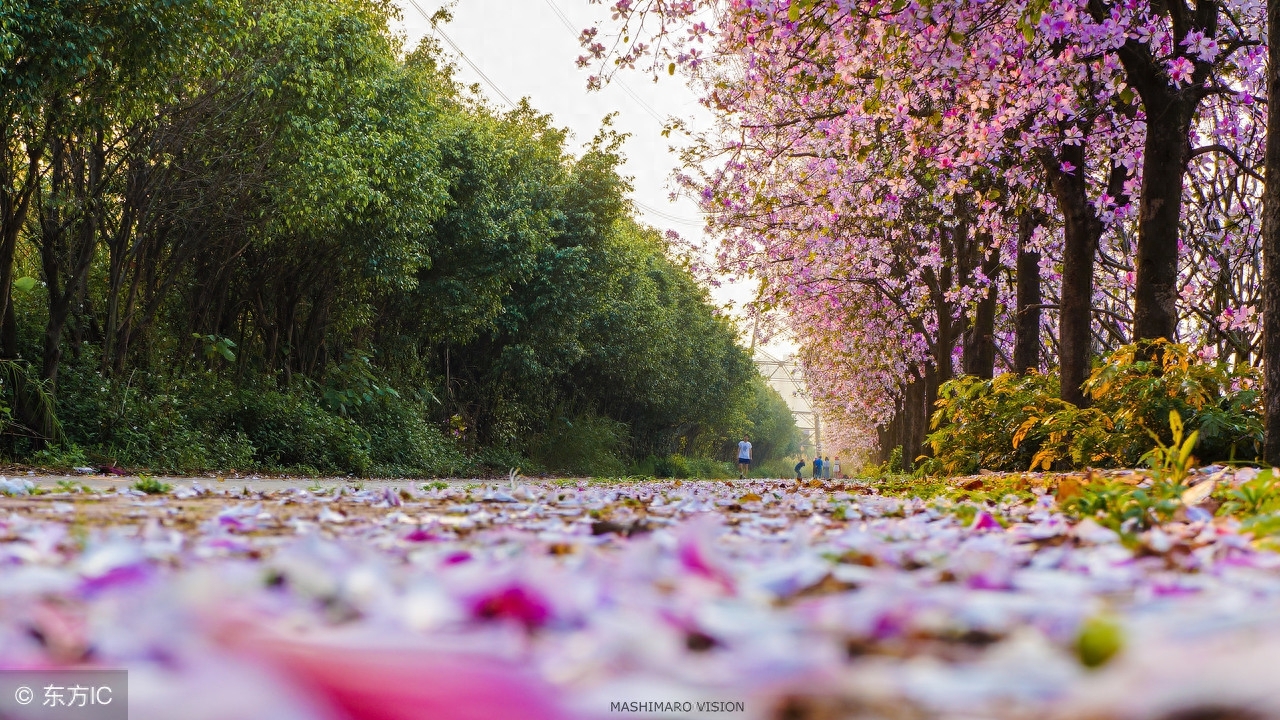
(15,201)
(1081,230)
(1165,157)
(916,406)
(980,336)
(1271,249)
(1026,344)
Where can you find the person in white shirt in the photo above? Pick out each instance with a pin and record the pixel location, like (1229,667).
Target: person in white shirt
(744,457)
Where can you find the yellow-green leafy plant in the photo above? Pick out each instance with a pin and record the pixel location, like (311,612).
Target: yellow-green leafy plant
(1017,422)
(1172,461)
(1013,422)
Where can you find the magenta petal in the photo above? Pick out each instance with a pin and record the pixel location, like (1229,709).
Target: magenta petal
(514,603)
(419,535)
(984,521)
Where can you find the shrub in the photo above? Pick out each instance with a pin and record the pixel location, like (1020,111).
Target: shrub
(402,442)
(773,468)
(1016,422)
(587,444)
(148,420)
(684,467)
(1139,385)
(151,486)
(288,430)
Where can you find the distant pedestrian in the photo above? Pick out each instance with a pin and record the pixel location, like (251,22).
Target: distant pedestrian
(799,469)
(826,468)
(817,467)
(835,469)
(744,457)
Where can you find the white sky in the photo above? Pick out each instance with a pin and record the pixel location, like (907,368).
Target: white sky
(527,50)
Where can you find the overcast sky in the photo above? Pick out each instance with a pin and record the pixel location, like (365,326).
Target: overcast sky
(528,49)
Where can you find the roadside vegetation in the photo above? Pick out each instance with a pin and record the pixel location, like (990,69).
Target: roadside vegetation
(268,236)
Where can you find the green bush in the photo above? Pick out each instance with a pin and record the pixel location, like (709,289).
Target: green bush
(200,422)
(684,467)
(774,468)
(403,443)
(1016,422)
(1140,384)
(588,444)
(288,430)
(148,420)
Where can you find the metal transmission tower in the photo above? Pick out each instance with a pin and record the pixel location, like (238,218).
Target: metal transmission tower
(786,377)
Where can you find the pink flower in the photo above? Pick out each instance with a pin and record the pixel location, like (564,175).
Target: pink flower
(365,682)
(513,602)
(984,521)
(1180,71)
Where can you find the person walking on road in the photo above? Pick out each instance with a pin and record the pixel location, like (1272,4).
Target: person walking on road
(817,467)
(835,468)
(826,468)
(744,457)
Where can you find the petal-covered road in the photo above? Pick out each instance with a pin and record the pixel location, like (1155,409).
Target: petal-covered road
(656,599)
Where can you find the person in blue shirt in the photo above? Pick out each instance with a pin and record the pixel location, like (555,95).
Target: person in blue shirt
(817,467)
(799,469)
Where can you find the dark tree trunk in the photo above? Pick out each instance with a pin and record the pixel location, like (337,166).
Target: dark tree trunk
(1271,250)
(914,418)
(15,201)
(1165,157)
(66,256)
(980,336)
(1026,344)
(889,436)
(1081,230)
(9,330)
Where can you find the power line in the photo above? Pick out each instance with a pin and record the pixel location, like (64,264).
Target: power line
(568,24)
(444,36)
(667,216)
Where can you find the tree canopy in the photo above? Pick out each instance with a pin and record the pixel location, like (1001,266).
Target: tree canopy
(283,231)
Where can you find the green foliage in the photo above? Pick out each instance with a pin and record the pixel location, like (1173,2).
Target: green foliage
(150,421)
(289,430)
(1139,385)
(1259,496)
(306,247)
(582,445)
(1017,422)
(1172,461)
(61,457)
(682,467)
(151,486)
(1013,422)
(404,442)
(353,384)
(890,467)
(1126,508)
(215,346)
(27,407)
